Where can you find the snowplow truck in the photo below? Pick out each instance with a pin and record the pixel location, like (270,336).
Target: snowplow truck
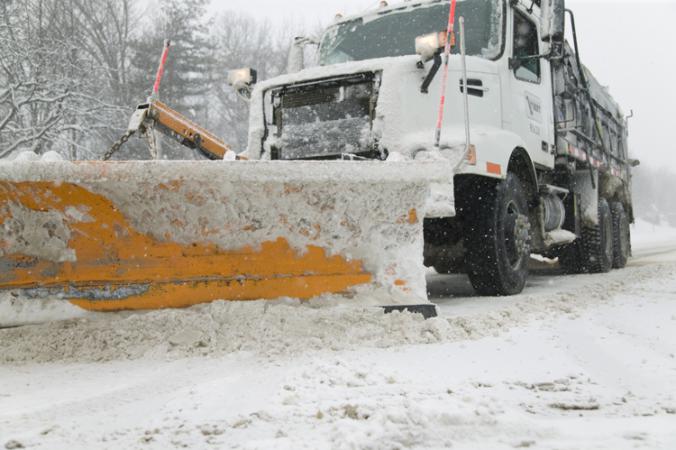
(347,187)
(538,147)
(143,235)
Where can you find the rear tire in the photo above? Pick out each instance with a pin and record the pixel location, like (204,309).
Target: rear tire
(593,251)
(621,236)
(496,233)
(598,242)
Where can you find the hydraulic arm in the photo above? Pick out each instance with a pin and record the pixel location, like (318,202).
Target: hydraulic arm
(155,116)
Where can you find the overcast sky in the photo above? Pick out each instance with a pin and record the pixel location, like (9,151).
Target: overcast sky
(629,45)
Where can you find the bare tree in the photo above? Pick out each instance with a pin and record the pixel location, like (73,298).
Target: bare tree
(107,28)
(71,71)
(53,91)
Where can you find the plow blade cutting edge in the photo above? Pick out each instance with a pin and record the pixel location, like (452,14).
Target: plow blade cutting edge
(149,235)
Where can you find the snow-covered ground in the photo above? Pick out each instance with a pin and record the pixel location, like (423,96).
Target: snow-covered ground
(586,362)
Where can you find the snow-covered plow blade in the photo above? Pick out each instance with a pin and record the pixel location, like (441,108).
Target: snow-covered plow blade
(148,235)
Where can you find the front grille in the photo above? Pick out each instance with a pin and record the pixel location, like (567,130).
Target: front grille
(325,119)
(309,98)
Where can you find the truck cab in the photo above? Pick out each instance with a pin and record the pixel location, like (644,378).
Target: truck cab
(369,78)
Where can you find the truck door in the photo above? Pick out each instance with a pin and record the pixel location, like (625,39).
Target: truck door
(529,99)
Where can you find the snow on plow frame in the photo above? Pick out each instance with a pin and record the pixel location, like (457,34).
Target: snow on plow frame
(149,235)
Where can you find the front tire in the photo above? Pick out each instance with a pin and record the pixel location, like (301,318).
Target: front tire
(496,233)
(593,251)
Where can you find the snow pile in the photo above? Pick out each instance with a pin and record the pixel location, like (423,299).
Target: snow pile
(289,327)
(27,156)
(269,329)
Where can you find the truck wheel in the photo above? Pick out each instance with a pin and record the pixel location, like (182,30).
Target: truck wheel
(496,231)
(593,251)
(597,242)
(621,236)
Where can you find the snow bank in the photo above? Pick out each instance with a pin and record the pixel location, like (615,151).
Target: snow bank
(269,329)
(645,233)
(27,156)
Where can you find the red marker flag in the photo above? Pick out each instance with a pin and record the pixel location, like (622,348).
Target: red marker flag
(160,70)
(447,54)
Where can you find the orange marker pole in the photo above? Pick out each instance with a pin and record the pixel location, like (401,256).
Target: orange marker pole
(160,70)
(444,83)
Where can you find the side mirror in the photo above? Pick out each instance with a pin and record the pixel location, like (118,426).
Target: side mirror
(429,45)
(553,20)
(242,80)
(634,162)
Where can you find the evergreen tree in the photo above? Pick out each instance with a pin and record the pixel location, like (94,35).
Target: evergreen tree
(186,80)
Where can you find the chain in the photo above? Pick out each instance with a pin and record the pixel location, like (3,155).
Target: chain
(117,145)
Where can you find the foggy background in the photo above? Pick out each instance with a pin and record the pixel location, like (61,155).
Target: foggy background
(71,71)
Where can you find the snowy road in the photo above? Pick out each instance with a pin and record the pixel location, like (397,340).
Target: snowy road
(586,362)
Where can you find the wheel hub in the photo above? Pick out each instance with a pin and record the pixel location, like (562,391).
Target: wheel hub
(517,236)
(522,235)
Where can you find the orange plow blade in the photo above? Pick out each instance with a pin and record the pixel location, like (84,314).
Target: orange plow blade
(149,235)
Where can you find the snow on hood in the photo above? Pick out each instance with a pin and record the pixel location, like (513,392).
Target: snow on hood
(348,68)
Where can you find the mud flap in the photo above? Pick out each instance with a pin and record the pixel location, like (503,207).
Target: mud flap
(149,235)
(589,197)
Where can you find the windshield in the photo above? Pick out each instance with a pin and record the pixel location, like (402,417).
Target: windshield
(394,33)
